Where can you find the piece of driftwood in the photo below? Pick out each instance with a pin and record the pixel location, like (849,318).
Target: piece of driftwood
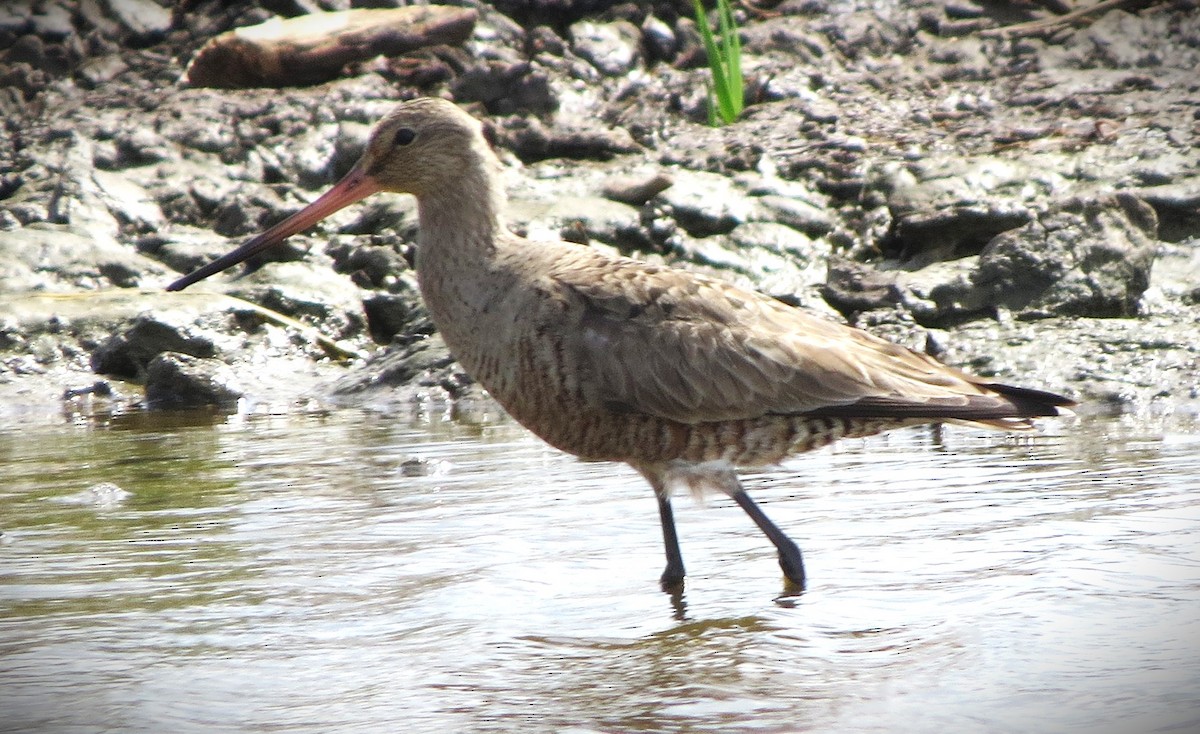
(1057,23)
(314,48)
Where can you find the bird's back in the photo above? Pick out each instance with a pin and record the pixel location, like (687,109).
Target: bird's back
(613,358)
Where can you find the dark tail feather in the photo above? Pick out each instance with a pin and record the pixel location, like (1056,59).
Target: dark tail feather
(1004,408)
(1035,402)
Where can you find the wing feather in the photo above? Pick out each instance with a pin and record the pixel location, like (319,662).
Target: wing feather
(689,348)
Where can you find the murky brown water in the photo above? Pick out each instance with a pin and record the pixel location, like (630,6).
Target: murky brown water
(294,574)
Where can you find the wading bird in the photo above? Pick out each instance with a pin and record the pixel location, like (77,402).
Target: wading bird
(681,376)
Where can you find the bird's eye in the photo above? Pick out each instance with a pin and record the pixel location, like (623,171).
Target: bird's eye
(404,136)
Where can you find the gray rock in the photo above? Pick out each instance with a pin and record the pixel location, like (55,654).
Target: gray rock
(542,39)
(1176,271)
(659,38)
(58,257)
(141,146)
(250,210)
(144,20)
(532,141)
(26,50)
(71,191)
(506,87)
(965,58)
(637,188)
(349,142)
(1088,257)
(919,238)
(128,353)
(1177,206)
(394,314)
(613,48)
(53,20)
(810,218)
(95,14)
(15,16)
(422,363)
(943,208)
(128,202)
(580,219)
(375,216)
(706,203)
(783,241)
(306,292)
(101,70)
(183,248)
(180,381)
(369,266)
(765,256)
(853,287)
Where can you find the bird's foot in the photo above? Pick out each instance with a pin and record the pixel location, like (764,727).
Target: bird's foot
(672,579)
(792,564)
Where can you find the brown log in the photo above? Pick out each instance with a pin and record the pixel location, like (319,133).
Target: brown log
(315,48)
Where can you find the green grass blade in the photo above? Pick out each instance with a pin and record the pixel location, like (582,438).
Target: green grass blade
(710,42)
(717,64)
(724,62)
(732,46)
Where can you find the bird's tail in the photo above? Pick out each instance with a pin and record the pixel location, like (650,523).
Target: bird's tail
(1003,406)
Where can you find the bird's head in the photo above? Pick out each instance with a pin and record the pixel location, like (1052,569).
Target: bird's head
(420,148)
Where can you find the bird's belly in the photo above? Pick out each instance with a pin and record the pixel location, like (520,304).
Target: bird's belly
(637,438)
(545,391)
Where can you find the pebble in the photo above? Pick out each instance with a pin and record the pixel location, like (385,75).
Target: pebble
(637,189)
(613,48)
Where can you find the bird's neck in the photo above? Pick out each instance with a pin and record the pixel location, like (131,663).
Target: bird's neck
(461,230)
(457,226)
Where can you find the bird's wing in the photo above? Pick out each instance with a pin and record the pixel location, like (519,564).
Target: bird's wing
(690,348)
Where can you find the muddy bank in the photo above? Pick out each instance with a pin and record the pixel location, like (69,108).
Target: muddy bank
(1019,200)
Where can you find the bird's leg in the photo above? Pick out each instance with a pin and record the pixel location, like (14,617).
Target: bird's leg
(789,553)
(672,577)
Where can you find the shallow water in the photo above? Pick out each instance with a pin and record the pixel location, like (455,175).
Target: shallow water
(353,571)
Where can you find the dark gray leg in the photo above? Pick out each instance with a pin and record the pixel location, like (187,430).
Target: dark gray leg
(672,577)
(789,553)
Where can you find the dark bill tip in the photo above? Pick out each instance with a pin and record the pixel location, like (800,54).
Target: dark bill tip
(355,186)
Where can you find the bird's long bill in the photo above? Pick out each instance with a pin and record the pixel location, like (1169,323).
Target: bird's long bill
(355,186)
